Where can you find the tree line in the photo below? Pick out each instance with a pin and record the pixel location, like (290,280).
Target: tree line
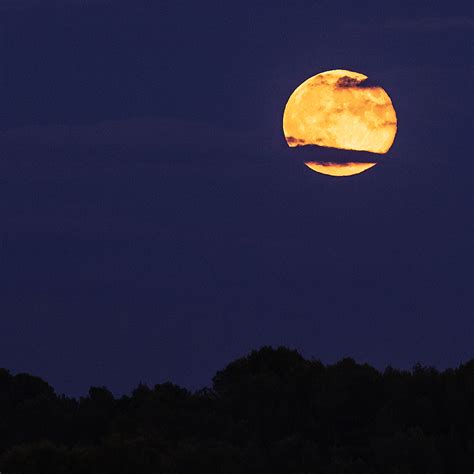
(271,412)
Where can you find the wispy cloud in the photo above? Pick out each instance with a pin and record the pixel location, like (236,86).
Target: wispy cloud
(418,25)
(150,133)
(6,5)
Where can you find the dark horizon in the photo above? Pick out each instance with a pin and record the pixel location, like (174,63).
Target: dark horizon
(272,411)
(253,353)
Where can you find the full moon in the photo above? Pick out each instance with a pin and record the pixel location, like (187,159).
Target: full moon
(337,109)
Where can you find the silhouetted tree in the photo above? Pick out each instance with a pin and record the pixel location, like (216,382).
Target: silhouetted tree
(271,412)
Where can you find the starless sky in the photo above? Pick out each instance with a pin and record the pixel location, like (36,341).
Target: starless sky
(155,225)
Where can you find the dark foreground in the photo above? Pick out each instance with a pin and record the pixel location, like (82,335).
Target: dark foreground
(271,412)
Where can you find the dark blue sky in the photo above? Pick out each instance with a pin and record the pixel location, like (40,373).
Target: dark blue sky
(154,224)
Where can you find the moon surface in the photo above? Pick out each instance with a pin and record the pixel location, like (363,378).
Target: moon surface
(338,109)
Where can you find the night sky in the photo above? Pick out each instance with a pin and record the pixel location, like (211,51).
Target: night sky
(155,225)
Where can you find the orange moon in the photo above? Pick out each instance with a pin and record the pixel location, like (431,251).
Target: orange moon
(336,109)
